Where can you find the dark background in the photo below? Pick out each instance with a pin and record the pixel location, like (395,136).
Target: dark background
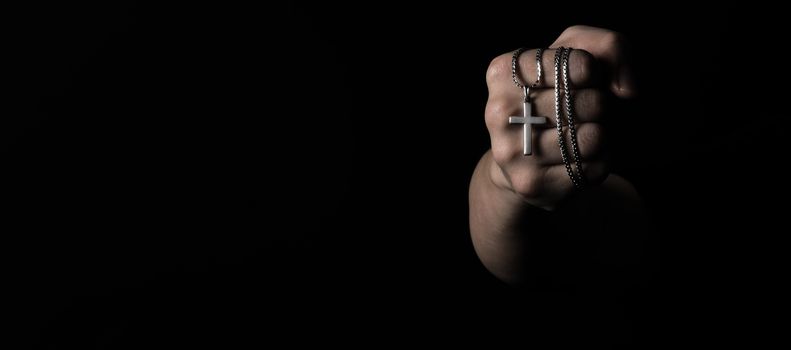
(198,174)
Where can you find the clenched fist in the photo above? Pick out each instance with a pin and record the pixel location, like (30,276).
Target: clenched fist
(541,178)
(510,193)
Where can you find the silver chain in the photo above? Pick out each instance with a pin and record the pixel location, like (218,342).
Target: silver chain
(572,128)
(559,53)
(515,64)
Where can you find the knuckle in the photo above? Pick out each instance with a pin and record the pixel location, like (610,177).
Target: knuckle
(497,111)
(502,151)
(499,66)
(611,39)
(591,137)
(528,183)
(582,61)
(592,103)
(574,29)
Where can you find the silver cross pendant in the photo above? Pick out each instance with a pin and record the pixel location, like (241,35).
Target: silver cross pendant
(527,120)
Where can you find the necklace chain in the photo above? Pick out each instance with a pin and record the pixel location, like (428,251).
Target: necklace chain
(559,54)
(515,64)
(572,128)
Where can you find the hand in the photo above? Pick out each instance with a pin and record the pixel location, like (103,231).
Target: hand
(541,178)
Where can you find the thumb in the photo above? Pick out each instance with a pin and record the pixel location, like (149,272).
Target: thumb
(609,47)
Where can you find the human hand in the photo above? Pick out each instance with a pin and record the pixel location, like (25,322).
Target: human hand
(541,178)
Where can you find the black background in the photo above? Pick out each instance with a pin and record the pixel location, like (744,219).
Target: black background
(215,175)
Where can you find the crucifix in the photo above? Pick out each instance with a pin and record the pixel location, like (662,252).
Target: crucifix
(527,120)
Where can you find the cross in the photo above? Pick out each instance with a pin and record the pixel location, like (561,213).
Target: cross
(527,122)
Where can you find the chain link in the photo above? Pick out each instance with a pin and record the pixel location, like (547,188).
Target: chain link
(515,64)
(570,117)
(559,53)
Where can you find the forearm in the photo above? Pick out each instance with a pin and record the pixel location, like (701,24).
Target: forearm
(499,221)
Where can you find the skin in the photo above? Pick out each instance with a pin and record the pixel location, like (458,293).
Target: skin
(515,200)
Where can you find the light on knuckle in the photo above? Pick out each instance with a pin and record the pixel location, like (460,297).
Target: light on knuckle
(502,152)
(497,108)
(591,138)
(573,30)
(499,66)
(612,40)
(583,62)
(527,184)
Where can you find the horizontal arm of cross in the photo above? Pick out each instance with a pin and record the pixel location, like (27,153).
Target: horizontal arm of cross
(523,120)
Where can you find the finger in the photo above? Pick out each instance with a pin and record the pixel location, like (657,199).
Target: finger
(557,177)
(608,46)
(582,72)
(551,183)
(589,137)
(546,149)
(588,106)
(507,144)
